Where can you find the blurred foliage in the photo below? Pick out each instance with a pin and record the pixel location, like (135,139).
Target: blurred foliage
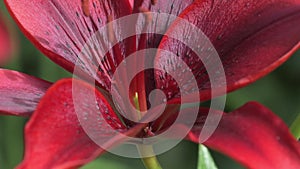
(279,91)
(295,127)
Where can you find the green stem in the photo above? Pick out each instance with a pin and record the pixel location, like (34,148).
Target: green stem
(146,151)
(295,127)
(150,161)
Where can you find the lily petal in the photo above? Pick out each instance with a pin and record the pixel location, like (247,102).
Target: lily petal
(5,42)
(20,93)
(254,136)
(172,7)
(54,135)
(252,37)
(60,29)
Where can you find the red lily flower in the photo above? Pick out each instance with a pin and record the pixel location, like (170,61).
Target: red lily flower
(5,42)
(252,37)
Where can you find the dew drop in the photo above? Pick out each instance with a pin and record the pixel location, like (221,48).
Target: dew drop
(108,117)
(97,105)
(119,126)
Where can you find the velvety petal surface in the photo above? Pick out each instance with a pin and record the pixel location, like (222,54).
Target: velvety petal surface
(252,37)
(252,135)
(5,42)
(20,93)
(60,29)
(174,7)
(54,135)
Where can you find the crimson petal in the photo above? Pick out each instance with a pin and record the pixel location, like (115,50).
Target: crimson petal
(60,30)
(54,136)
(172,7)
(5,42)
(20,93)
(252,37)
(254,136)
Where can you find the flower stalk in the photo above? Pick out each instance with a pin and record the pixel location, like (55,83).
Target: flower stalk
(150,161)
(146,151)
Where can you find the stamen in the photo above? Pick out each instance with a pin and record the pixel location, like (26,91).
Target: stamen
(111,33)
(147,14)
(136,101)
(154,2)
(86,7)
(137,105)
(142,44)
(148,131)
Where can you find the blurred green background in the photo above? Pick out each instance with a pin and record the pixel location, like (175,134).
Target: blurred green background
(279,91)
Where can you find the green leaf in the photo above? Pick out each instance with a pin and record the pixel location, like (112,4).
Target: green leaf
(205,161)
(295,127)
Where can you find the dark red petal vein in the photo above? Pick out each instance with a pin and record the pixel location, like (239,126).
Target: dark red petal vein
(55,137)
(254,136)
(20,93)
(252,37)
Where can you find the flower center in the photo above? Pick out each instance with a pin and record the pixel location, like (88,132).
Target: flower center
(136,100)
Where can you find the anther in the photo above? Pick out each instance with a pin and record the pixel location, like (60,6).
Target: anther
(147,14)
(111,33)
(86,7)
(154,2)
(148,131)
